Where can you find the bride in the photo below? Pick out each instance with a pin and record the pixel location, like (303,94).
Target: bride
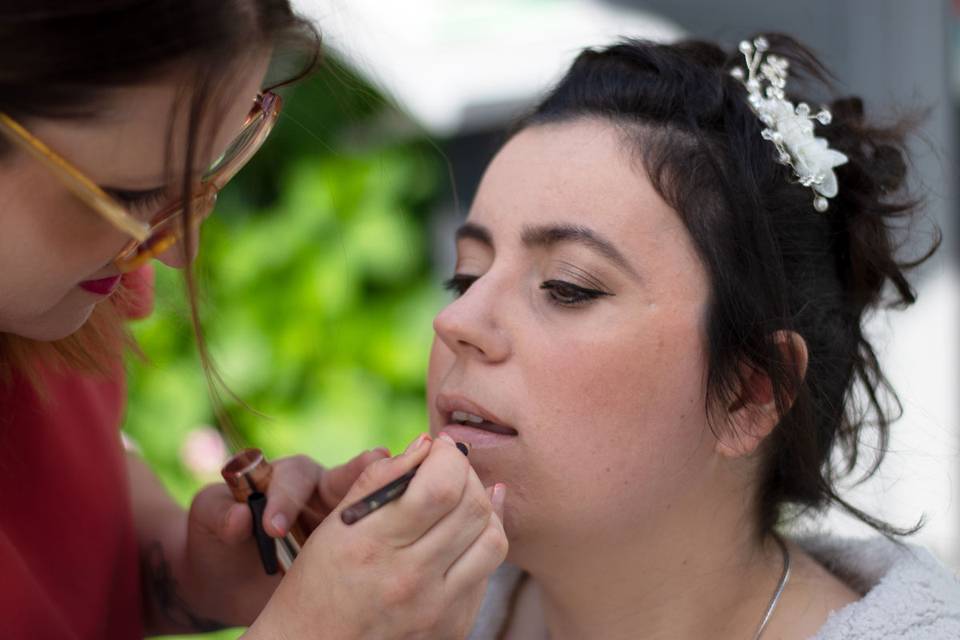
(655,346)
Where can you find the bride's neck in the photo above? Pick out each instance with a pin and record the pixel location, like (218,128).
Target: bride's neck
(680,581)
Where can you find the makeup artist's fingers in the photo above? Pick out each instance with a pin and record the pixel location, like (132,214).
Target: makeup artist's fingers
(216,510)
(486,552)
(450,537)
(333,485)
(301,488)
(382,472)
(293,482)
(436,490)
(353,570)
(336,482)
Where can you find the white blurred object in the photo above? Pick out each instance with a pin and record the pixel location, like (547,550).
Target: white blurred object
(462,65)
(920,476)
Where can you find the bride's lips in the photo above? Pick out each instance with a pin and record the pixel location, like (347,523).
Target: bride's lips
(101,287)
(489,433)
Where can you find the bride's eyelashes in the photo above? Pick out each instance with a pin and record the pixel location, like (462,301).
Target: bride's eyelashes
(459,283)
(559,292)
(568,294)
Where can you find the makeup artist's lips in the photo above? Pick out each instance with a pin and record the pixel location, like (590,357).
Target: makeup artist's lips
(466,421)
(101,287)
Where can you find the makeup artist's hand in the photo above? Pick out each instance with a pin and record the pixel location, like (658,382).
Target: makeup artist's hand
(416,568)
(221,562)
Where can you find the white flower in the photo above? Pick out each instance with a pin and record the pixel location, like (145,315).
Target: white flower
(813,156)
(790,128)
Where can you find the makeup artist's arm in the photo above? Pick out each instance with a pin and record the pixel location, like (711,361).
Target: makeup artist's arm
(200,568)
(161,526)
(415,569)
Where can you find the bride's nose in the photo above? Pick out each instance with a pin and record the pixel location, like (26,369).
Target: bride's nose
(470,325)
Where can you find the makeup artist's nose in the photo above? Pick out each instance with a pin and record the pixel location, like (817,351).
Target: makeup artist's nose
(179,256)
(469,326)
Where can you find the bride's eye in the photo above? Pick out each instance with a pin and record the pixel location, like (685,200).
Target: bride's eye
(459,283)
(568,294)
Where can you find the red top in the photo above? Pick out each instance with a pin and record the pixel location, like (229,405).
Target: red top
(68,553)
(69,565)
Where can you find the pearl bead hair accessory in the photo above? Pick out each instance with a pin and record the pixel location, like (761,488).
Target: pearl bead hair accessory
(789,128)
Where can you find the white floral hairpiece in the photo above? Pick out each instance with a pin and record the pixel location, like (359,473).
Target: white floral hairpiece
(789,128)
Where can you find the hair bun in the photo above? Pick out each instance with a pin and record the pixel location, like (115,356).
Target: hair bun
(889,168)
(847,110)
(878,151)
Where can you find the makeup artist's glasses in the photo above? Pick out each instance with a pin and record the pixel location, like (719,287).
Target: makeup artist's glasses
(165,227)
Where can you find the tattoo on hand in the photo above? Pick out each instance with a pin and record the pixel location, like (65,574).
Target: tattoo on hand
(161,589)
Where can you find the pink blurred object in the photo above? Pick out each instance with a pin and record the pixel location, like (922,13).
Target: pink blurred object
(203,452)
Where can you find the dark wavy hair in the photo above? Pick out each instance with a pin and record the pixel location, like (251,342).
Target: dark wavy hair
(774,263)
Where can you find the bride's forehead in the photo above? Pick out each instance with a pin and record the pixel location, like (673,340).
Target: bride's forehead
(610,193)
(569,146)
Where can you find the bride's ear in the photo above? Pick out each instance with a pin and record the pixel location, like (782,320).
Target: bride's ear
(753,413)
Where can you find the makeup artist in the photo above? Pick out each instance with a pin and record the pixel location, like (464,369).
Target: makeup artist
(120,121)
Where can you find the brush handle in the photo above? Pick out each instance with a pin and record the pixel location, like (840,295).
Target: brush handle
(384,495)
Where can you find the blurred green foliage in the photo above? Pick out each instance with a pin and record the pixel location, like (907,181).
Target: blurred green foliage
(317,296)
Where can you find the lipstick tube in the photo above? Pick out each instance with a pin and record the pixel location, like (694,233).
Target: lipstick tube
(248,475)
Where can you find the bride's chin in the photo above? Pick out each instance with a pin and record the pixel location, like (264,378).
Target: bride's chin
(488,476)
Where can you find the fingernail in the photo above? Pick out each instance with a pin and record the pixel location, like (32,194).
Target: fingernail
(499,496)
(232,513)
(279,523)
(383,450)
(416,444)
(446,437)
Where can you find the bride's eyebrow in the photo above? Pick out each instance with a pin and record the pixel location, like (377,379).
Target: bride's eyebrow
(548,235)
(476,232)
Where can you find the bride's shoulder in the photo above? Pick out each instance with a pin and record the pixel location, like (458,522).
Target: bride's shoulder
(868,588)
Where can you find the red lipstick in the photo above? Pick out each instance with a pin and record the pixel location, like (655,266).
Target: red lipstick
(101,287)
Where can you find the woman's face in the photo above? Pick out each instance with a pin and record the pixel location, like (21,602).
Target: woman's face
(581,330)
(51,243)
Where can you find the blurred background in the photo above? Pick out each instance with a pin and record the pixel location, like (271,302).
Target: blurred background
(321,269)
